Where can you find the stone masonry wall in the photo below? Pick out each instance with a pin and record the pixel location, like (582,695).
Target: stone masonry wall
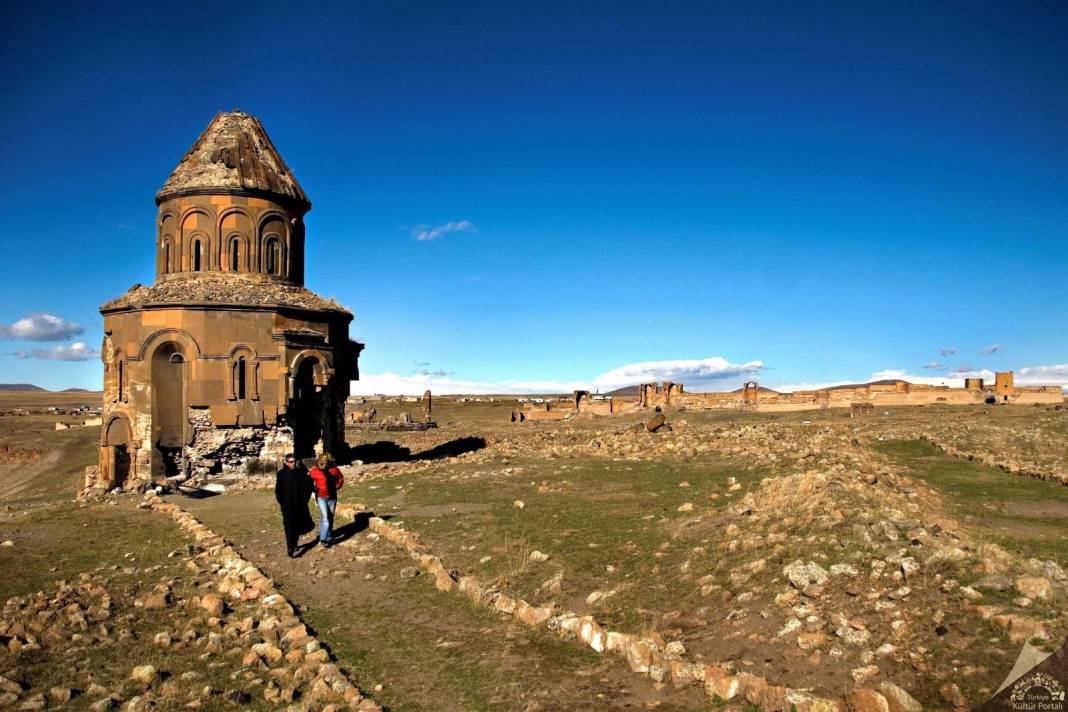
(231,452)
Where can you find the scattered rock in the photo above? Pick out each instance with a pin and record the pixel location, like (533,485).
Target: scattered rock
(213,605)
(898,700)
(801,574)
(144,674)
(1035,588)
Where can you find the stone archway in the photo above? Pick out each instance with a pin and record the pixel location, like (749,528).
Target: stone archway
(305,409)
(170,422)
(116,457)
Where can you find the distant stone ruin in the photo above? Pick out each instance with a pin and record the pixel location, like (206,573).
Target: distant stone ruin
(860,399)
(226,358)
(580,403)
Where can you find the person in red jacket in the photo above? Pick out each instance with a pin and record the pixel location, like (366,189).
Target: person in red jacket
(328,479)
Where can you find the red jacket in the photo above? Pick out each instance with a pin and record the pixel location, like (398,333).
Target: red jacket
(327,483)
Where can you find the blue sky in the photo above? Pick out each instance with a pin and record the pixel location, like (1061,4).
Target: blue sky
(800,194)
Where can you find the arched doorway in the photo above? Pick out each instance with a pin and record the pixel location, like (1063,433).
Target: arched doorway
(169,419)
(304,411)
(116,461)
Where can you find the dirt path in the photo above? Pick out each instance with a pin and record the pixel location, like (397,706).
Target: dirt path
(17,480)
(429,650)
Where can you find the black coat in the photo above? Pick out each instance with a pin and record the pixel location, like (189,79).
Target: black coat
(292,489)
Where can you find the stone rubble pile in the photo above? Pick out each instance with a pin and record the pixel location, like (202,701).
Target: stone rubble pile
(662,662)
(278,644)
(1034,447)
(882,593)
(219,624)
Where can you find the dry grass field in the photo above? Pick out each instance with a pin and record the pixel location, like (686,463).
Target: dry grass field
(820,553)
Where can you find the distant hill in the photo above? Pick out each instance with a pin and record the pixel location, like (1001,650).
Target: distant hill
(760,388)
(20,387)
(75,390)
(624,391)
(885,382)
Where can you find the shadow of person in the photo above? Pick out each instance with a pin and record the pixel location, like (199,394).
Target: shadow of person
(381,451)
(390,451)
(195,492)
(351,529)
(452,448)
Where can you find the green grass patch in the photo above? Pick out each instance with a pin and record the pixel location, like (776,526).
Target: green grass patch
(1019,513)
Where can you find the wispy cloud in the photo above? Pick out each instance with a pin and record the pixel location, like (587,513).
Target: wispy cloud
(77,351)
(947,352)
(1042,375)
(41,327)
(1051,375)
(697,374)
(396,384)
(709,374)
(436,374)
(934,366)
(126,226)
(991,349)
(428,233)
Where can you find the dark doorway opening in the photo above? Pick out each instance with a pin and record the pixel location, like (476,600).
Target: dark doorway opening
(122,465)
(305,412)
(169,421)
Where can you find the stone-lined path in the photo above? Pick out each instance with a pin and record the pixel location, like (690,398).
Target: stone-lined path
(430,650)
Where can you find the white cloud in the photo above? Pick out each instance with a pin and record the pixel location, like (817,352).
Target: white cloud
(696,374)
(41,327)
(991,349)
(810,386)
(947,351)
(1042,375)
(77,351)
(1028,376)
(427,233)
(933,366)
(709,374)
(395,384)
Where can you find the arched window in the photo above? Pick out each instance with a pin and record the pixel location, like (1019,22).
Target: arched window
(166,257)
(235,255)
(242,370)
(273,257)
(121,379)
(196,255)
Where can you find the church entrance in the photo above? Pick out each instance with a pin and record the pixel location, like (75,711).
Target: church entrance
(116,461)
(169,420)
(305,410)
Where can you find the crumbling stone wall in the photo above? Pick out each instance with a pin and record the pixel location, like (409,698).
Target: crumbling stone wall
(233,451)
(753,397)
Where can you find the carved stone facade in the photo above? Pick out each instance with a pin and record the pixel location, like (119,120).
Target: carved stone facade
(226,358)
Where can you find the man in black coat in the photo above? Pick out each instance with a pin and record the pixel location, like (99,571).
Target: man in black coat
(292,489)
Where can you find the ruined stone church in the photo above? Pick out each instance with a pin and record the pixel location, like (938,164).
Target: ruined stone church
(226,358)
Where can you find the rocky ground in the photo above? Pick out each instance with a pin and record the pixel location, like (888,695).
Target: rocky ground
(806,561)
(197,627)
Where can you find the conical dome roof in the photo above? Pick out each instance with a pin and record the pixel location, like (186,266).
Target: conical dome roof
(234,155)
